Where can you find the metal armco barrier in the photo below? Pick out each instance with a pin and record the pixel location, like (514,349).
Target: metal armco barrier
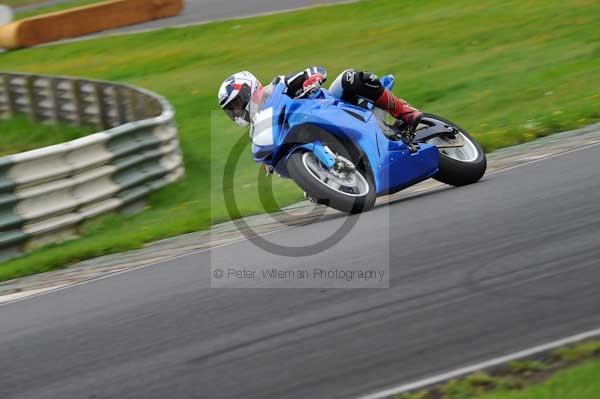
(46,193)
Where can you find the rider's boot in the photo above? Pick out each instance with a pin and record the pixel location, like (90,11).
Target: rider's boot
(399,109)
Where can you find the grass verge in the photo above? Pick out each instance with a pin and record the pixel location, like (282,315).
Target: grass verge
(568,373)
(21,134)
(508,71)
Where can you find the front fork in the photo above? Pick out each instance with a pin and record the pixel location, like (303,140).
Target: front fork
(321,151)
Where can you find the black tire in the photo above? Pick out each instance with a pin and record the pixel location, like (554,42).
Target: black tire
(460,173)
(325,194)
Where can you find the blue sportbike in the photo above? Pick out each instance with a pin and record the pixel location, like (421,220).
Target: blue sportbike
(344,155)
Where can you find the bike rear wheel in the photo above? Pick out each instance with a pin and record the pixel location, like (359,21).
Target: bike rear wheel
(459,164)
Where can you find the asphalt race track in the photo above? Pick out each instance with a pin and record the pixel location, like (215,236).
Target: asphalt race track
(208,10)
(196,11)
(476,272)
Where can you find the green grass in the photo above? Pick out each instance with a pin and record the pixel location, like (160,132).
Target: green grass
(579,382)
(52,8)
(569,372)
(526,366)
(509,71)
(578,352)
(21,134)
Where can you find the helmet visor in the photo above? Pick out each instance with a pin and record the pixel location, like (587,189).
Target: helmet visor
(237,109)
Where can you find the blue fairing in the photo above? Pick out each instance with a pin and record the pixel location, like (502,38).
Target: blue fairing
(389,163)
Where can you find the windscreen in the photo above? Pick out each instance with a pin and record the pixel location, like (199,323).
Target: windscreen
(259,99)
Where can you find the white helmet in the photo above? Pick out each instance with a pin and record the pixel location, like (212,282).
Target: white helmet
(235,94)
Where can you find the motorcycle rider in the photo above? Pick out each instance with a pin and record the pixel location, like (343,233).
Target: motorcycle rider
(351,86)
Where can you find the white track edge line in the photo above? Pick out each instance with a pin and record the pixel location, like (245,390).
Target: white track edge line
(483,365)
